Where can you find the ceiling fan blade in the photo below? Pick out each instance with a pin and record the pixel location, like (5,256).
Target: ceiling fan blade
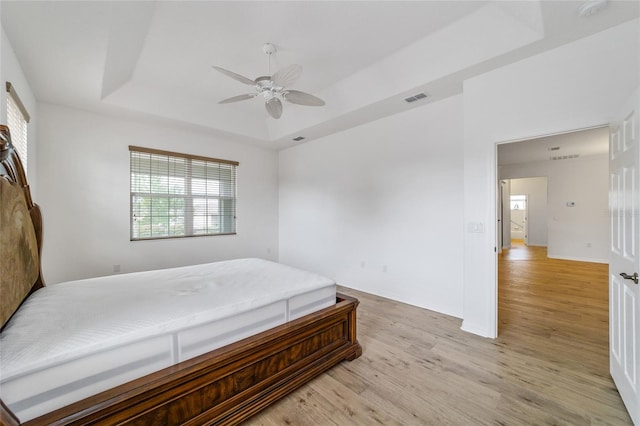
(287,76)
(274,107)
(302,98)
(235,76)
(238,98)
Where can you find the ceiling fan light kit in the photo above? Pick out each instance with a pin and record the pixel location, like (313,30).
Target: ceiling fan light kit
(273,88)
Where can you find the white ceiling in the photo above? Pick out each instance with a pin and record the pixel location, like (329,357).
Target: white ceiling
(363,58)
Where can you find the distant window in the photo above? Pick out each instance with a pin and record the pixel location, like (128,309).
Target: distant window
(181,195)
(17,119)
(518,202)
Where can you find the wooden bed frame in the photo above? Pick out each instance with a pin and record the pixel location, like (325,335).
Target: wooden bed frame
(224,386)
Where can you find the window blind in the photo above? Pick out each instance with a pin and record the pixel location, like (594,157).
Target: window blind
(17,119)
(181,195)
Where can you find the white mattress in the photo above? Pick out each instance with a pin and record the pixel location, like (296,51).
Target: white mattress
(72,340)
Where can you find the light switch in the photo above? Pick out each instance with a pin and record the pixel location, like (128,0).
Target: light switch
(475,228)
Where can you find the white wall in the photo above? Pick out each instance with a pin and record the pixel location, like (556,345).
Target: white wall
(580,232)
(379,207)
(535,188)
(576,86)
(84,195)
(10,70)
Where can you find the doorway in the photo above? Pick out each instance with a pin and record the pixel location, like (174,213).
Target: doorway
(574,167)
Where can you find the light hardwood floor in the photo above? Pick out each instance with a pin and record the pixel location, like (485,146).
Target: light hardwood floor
(548,366)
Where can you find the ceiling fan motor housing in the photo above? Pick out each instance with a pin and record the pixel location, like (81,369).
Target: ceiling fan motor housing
(265,85)
(268,48)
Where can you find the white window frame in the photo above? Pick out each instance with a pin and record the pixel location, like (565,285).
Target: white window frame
(17,120)
(176,195)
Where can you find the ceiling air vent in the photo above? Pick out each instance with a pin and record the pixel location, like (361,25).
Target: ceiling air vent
(591,7)
(565,157)
(298,139)
(416,97)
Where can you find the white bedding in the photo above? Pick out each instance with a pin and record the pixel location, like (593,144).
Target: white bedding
(71,340)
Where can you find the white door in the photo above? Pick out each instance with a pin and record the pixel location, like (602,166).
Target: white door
(505,215)
(624,298)
(525,222)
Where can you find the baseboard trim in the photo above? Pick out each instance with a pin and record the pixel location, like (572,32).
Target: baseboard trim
(577,259)
(475,329)
(398,298)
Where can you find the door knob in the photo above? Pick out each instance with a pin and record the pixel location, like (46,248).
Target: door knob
(633,277)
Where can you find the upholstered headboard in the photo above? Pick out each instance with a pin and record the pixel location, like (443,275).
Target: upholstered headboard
(20,232)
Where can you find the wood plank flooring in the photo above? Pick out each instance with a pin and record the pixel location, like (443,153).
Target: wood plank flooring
(549,365)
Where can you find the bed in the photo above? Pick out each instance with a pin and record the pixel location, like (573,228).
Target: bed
(216,363)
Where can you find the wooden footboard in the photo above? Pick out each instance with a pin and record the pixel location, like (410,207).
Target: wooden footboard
(227,385)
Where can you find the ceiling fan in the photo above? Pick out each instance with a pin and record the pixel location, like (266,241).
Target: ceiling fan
(273,88)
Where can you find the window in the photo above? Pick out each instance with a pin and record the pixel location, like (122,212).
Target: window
(518,202)
(180,195)
(17,119)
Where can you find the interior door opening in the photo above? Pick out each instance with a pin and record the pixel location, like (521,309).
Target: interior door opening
(569,171)
(559,185)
